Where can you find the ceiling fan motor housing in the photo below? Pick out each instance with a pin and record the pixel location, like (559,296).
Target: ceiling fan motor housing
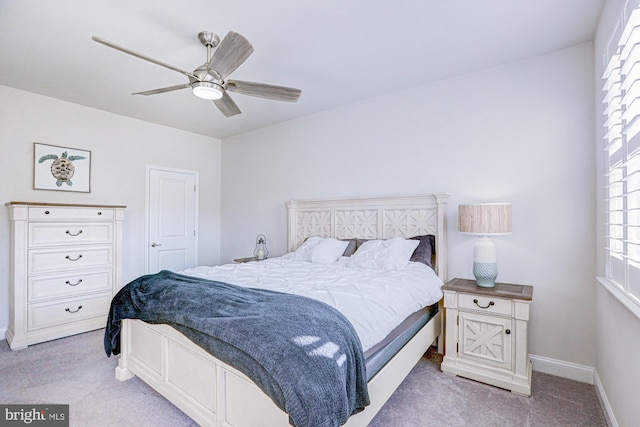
(208,39)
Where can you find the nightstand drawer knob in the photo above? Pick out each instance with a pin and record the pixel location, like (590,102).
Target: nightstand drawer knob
(484,306)
(508,332)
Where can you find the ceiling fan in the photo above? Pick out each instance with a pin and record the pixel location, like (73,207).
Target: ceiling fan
(209,80)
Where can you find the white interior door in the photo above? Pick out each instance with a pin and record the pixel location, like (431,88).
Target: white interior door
(172,219)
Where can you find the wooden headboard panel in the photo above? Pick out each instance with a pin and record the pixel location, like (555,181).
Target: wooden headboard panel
(372,218)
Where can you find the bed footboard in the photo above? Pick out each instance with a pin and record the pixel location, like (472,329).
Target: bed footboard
(205,388)
(214,393)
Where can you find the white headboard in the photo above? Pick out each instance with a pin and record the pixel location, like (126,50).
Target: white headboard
(372,218)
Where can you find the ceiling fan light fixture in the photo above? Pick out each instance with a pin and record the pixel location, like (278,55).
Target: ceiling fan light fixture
(207,90)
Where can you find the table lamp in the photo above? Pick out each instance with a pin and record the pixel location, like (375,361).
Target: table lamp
(484,220)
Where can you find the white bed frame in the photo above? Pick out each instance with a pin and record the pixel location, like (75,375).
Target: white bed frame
(214,393)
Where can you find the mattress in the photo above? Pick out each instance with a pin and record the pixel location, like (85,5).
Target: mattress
(378,356)
(374,301)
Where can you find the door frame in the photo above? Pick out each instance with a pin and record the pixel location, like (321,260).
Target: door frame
(147,208)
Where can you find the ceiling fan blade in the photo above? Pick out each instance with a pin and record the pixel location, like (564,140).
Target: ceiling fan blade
(232,51)
(141,56)
(279,93)
(227,106)
(163,90)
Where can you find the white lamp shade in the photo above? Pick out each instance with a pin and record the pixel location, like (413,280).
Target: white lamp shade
(485,218)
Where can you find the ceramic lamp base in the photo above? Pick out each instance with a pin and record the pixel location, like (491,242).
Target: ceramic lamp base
(485,273)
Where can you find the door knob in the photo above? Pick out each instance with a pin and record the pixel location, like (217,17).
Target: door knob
(154,244)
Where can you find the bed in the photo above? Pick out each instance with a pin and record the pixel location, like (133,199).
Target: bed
(215,393)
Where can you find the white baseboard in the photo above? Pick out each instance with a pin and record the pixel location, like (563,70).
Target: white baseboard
(604,403)
(582,373)
(3,333)
(560,368)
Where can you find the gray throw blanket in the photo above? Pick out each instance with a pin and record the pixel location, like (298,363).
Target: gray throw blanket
(304,354)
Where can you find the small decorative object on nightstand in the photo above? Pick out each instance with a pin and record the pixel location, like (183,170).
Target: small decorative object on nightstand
(486,333)
(261,251)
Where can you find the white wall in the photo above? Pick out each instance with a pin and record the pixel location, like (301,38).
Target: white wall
(521,132)
(120,150)
(618,329)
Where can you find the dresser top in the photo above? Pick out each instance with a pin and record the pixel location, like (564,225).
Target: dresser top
(507,290)
(67,205)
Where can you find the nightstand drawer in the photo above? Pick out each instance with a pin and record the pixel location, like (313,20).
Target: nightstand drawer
(485,304)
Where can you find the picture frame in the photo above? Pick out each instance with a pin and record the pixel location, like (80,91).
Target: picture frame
(61,168)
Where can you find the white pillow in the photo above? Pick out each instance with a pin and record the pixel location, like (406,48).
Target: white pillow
(391,254)
(321,250)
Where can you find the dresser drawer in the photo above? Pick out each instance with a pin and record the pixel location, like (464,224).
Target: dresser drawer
(58,213)
(68,285)
(47,234)
(70,258)
(43,315)
(485,304)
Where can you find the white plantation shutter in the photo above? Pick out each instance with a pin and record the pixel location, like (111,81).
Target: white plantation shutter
(622,152)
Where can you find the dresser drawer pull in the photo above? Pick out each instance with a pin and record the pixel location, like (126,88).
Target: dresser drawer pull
(99,213)
(73,259)
(74,311)
(484,306)
(74,234)
(73,284)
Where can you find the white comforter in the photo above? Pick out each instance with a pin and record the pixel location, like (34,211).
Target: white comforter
(374,301)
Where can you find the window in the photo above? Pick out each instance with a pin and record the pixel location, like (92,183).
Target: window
(622,152)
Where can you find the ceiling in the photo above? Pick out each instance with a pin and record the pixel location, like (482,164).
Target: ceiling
(337,52)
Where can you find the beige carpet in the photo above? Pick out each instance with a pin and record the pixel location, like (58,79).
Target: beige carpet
(76,371)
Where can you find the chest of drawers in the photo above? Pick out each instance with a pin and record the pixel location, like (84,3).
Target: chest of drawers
(65,267)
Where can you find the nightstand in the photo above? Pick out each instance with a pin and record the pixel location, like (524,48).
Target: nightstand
(248,259)
(486,333)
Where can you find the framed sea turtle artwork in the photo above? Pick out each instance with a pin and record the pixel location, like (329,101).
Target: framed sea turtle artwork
(61,168)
